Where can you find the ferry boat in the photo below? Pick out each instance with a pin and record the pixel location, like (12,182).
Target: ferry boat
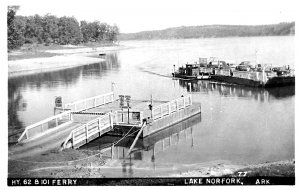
(246,73)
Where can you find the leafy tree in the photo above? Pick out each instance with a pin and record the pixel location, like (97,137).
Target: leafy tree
(69,31)
(51,29)
(14,39)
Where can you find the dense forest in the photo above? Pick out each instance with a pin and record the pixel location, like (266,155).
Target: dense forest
(57,30)
(212,31)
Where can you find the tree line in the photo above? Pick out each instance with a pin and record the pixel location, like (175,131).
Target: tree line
(212,31)
(52,29)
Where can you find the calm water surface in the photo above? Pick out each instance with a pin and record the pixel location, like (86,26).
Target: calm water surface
(238,124)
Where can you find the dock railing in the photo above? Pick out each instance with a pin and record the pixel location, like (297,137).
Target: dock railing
(168,108)
(46,125)
(92,102)
(86,131)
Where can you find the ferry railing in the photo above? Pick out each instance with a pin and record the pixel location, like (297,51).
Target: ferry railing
(125,117)
(205,70)
(168,108)
(223,72)
(82,134)
(46,126)
(256,76)
(92,102)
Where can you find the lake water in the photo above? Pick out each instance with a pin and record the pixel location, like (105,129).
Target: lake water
(237,124)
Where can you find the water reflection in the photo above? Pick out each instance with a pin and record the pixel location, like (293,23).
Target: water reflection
(259,94)
(148,148)
(52,81)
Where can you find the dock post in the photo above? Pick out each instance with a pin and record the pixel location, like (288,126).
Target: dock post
(99,127)
(73,140)
(116,117)
(141,117)
(111,120)
(86,133)
(112,151)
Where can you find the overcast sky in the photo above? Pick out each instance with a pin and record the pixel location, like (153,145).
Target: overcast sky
(140,15)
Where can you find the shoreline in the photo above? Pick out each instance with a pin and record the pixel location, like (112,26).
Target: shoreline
(93,164)
(61,59)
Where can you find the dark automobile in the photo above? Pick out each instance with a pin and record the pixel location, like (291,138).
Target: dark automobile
(245,66)
(280,70)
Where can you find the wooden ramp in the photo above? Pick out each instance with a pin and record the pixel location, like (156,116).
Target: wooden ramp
(83,121)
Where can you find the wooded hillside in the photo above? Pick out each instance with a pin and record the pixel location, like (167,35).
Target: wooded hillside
(212,31)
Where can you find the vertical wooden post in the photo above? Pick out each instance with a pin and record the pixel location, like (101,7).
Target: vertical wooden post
(111,120)
(112,151)
(73,139)
(86,132)
(169,108)
(99,126)
(116,117)
(56,122)
(176,104)
(141,117)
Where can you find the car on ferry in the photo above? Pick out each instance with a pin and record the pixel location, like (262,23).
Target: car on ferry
(245,66)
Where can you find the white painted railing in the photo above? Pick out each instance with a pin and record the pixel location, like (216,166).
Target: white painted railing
(172,106)
(85,131)
(46,125)
(92,102)
(223,72)
(205,70)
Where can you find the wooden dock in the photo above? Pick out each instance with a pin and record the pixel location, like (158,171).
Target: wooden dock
(85,120)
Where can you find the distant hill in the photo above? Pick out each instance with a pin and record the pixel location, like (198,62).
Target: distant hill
(213,31)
